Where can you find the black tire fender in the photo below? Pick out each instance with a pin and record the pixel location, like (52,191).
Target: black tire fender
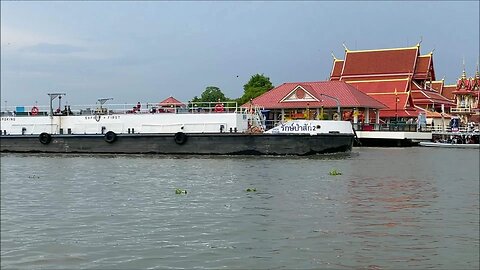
(180,138)
(45,138)
(110,137)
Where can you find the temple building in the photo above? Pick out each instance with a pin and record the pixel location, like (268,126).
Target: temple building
(401,78)
(467,98)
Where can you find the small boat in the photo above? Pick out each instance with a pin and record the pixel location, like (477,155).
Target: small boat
(172,129)
(450,145)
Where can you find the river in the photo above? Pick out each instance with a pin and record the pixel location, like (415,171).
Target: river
(391,208)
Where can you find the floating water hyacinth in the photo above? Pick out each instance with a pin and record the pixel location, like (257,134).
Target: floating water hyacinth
(180,191)
(334,172)
(251,190)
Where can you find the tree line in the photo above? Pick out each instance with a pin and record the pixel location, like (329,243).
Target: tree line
(256,86)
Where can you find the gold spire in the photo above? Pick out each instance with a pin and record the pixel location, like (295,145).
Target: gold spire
(464,74)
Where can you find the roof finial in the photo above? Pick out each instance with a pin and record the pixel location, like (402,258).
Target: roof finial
(334,58)
(344,46)
(420,42)
(431,53)
(464,74)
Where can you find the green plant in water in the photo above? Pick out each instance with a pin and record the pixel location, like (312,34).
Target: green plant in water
(180,191)
(334,172)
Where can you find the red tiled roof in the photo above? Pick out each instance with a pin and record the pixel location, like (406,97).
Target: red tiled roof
(388,61)
(422,67)
(437,86)
(447,91)
(380,86)
(464,92)
(404,100)
(337,70)
(415,86)
(404,106)
(171,101)
(348,96)
(399,113)
(430,114)
(430,97)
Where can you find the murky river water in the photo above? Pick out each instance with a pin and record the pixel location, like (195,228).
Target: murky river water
(391,208)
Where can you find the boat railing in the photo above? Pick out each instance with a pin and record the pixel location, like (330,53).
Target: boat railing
(126,108)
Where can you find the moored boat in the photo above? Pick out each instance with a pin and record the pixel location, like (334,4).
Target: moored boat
(454,139)
(173,129)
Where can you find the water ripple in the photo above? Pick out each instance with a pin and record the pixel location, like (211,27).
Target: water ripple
(390,208)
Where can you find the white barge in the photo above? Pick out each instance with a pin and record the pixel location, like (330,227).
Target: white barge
(175,129)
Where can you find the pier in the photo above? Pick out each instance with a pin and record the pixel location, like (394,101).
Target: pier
(391,134)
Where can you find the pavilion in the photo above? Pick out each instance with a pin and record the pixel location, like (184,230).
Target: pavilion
(318,100)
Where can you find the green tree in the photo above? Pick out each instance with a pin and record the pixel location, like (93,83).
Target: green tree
(256,86)
(211,94)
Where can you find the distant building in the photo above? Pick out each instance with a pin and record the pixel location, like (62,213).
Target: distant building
(401,78)
(467,98)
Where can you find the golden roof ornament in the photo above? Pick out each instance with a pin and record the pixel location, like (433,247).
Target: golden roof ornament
(334,58)
(420,42)
(464,74)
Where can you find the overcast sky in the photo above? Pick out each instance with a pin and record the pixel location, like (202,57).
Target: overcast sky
(147,51)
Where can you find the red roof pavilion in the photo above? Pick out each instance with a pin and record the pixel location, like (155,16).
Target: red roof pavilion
(171,101)
(310,95)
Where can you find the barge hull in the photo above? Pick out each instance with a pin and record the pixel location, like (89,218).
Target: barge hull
(203,144)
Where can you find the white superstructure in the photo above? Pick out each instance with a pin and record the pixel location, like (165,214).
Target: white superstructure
(125,123)
(171,119)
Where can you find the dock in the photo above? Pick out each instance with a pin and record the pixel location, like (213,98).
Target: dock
(391,135)
(392,138)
